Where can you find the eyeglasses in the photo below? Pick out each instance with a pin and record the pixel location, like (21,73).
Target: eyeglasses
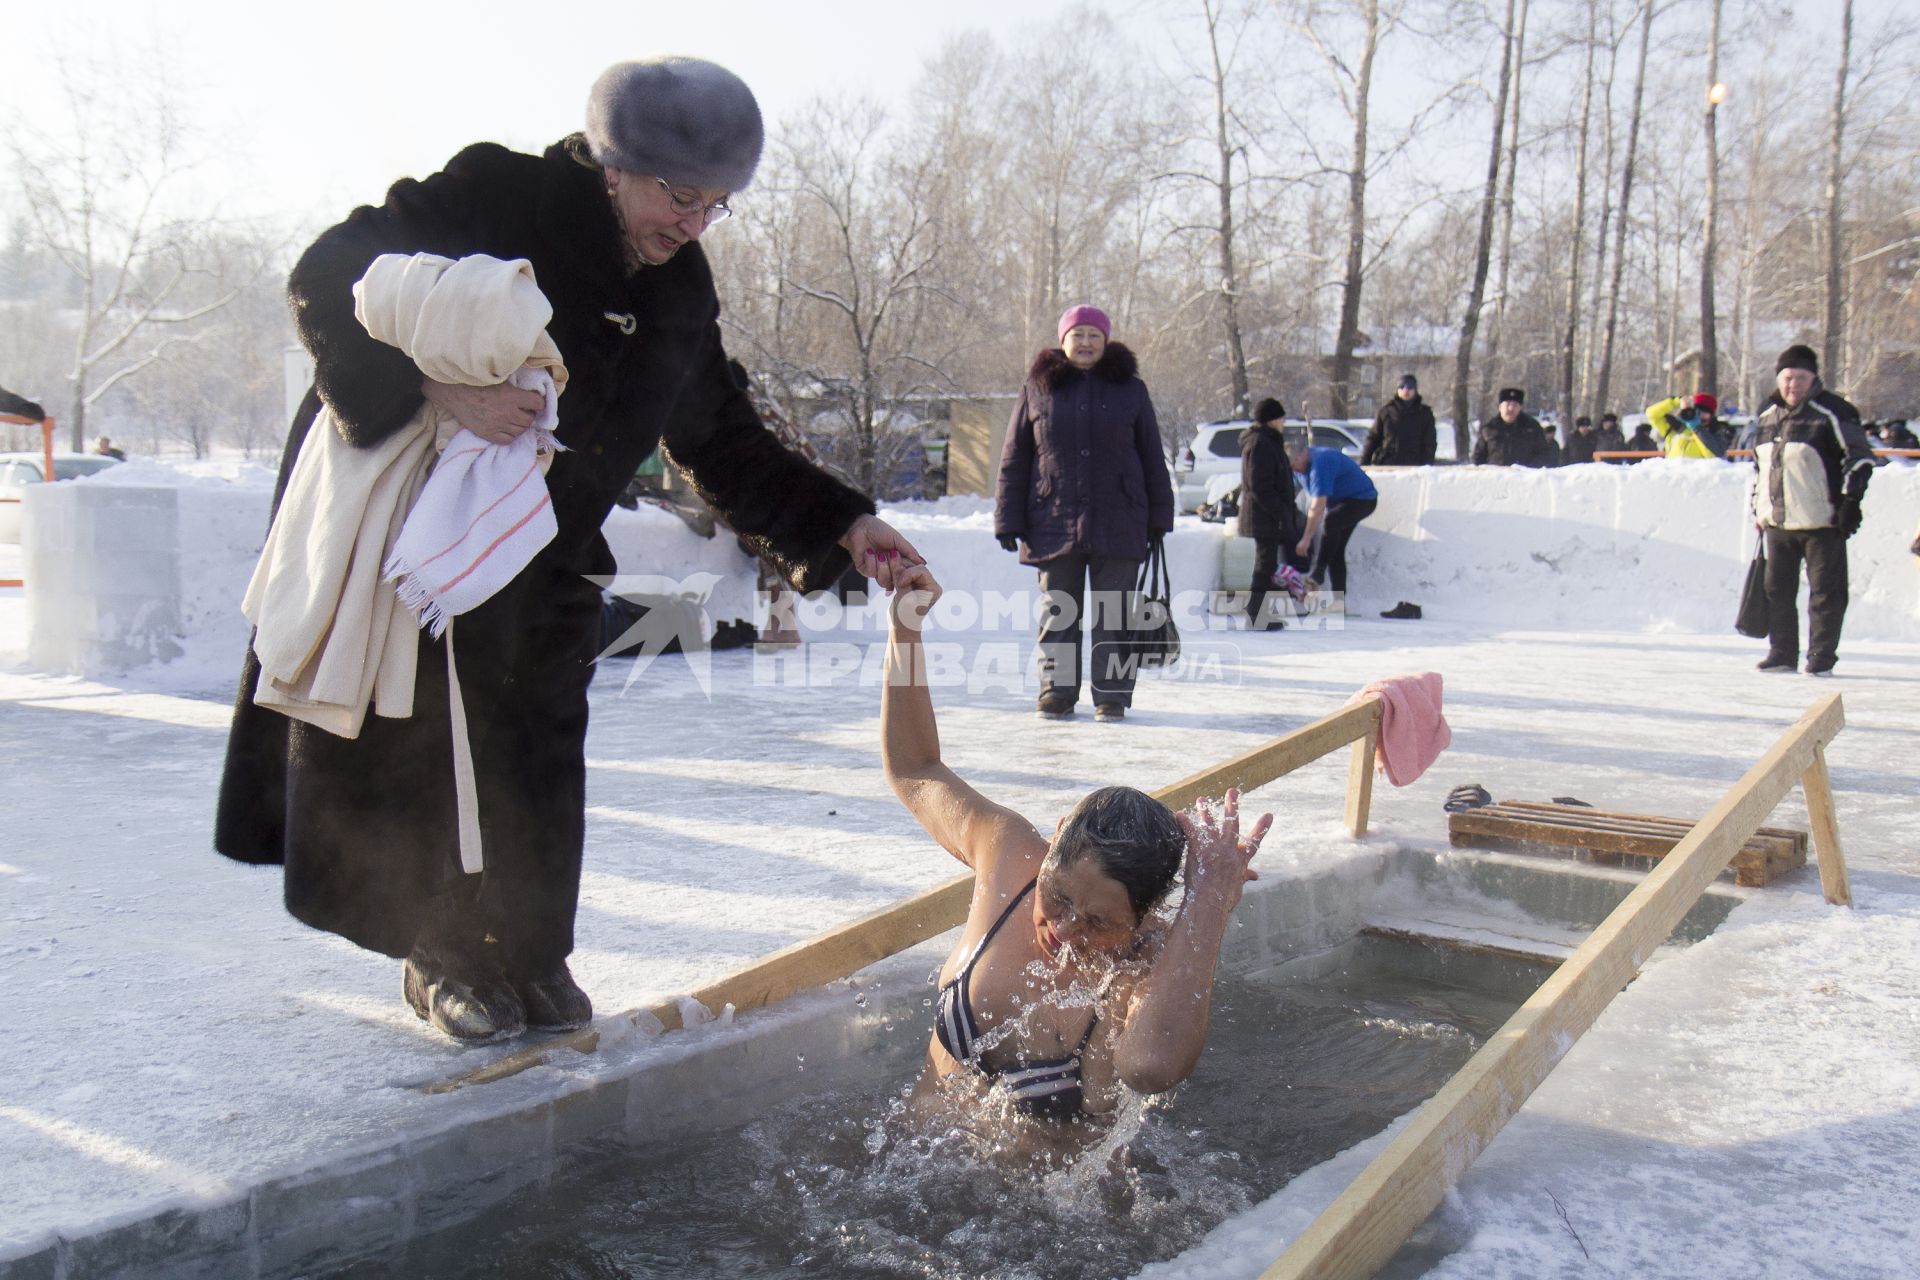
(686,206)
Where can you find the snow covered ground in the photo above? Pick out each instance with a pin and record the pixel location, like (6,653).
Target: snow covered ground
(1748,1108)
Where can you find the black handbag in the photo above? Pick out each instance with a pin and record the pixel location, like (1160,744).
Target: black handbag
(1153,641)
(1754,614)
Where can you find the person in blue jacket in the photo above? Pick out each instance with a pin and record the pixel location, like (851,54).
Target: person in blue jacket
(1342,497)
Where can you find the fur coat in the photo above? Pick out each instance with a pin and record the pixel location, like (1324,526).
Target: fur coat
(366,827)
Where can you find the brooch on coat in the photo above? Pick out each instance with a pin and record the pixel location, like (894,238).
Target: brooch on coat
(623,320)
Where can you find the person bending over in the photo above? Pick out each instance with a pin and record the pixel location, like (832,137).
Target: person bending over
(1342,497)
(1068,984)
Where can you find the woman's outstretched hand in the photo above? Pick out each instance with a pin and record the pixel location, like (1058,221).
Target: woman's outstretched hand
(1218,857)
(879,551)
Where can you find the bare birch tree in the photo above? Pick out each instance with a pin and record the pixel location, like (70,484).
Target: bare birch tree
(1605,376)
(106,197)
(1356,94)
(1570,332)
(1832,333)
(874,252)
(1494,331)
(1476,291)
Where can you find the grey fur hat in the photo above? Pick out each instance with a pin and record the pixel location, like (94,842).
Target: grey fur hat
(683,119)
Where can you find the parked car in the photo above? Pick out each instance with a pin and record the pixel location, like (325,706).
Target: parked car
(18,470)
(1215,451)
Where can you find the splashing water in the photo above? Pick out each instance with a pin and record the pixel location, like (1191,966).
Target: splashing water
(846,1185)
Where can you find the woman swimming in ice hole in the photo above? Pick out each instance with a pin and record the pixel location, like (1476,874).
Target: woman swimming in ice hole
(1061,990)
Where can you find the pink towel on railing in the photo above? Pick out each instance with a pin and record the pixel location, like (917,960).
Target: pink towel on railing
(1413,732)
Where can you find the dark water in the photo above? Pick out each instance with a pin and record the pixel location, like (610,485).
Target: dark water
(827,1187)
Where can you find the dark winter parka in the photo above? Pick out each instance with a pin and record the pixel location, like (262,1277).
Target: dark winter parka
(1402,435)
(366,827)
(1268,509)
(1082,470)
(1580,445)
(1510,444)
(1808,458)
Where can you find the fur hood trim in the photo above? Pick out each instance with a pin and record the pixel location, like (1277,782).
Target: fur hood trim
(1117,365)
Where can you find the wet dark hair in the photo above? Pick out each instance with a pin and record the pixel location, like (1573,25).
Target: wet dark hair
(1132,836)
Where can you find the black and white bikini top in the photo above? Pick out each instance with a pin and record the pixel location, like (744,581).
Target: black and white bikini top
(1050,1089)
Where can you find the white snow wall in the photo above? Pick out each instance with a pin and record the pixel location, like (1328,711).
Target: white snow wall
(1662,545)
(122,574)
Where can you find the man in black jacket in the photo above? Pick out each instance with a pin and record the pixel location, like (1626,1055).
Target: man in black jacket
(1609,438)
(1581,444)
(1812,463)
(367,827)
(1512,438)
(1402,434)
(1269,513)
(1642,442)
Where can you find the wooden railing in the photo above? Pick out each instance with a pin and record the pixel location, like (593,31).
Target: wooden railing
(1363,1228)
(849,948)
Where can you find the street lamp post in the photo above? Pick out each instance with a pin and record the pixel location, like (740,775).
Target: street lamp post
(1716,93)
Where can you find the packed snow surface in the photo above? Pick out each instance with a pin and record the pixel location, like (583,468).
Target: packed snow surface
(1746,1108)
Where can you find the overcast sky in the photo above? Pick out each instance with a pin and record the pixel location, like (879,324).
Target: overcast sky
(323,104)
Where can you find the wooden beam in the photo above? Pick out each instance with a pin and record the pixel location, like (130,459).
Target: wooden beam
(1281,756)
(848,948)
(1360,782)
(1818,787)
(1362,1229)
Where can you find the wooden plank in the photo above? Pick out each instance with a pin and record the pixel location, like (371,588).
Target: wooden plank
(1281,756)
(1360,783)
(1619,821)
(1685,824)
(1584,836)
(1461,945)
(1826,831)
(851,947)
(1610,834)
(1362,1229)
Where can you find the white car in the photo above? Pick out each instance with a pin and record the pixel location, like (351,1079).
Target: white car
(18,470)
(1215,451)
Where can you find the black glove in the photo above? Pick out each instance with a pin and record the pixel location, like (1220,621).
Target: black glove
(1848,521)
(1009,541)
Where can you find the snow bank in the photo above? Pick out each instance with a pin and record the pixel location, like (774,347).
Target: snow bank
(1661,546)
(147,561)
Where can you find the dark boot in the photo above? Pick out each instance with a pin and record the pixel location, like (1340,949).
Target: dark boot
(554,1001)
(474,1007)
(1054,706)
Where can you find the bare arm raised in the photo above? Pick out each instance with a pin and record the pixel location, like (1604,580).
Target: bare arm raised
(966,823)
(1166,1025)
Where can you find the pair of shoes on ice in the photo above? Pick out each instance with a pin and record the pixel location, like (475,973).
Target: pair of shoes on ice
(1058,706)
(1775,664)
(1405,609)
(477,1004)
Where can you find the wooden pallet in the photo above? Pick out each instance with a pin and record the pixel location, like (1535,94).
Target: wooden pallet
(1527,826)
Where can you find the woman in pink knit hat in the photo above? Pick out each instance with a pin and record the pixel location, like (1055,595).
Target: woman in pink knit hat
(1083,486)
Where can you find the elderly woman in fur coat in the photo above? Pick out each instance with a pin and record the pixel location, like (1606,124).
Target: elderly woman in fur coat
(1083,485)
(366,826)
